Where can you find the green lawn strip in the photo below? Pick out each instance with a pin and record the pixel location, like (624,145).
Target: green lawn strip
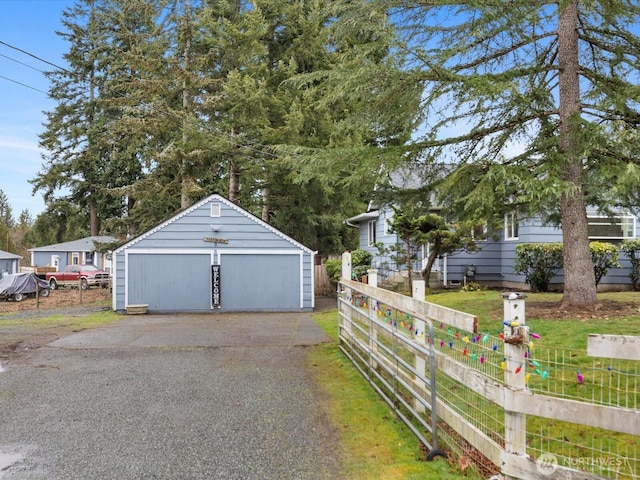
(375,444)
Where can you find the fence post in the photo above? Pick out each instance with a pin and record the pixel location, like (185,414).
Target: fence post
(419,326)
(372,276)
(346,275)
(515,345)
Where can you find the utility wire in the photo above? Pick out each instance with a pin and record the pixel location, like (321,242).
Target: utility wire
(22,63)
(176,117)
(34,56)
(23,84)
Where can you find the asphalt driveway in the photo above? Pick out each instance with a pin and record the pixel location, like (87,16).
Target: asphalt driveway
(169,397)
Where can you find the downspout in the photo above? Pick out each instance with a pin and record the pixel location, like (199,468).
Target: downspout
(445,270)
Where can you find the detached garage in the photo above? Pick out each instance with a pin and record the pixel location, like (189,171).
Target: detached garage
(213,256)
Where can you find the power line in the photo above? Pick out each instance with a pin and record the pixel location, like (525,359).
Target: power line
(34,56)
(176,117)
(21,63)
(23,84)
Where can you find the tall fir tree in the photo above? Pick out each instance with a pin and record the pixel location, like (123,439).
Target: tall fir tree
(535,102)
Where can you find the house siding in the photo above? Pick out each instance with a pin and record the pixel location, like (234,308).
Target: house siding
(9,263)
(494,261)
(261,269)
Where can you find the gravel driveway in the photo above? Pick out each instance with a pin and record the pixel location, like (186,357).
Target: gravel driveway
(169,397)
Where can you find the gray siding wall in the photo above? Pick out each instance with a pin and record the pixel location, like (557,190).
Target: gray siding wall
(43,259)
(495,259)
(8,265)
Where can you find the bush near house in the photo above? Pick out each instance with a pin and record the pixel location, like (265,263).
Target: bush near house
(334,270)
(360,263)
(539,262)
(632,249)
(604,256)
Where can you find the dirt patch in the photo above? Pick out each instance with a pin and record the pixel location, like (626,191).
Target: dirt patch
(604,309)
(18,338)
(57,299)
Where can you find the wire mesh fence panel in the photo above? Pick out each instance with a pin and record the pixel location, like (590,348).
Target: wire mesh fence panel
(579,410)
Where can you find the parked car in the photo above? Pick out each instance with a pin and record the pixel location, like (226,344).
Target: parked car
(74,275)
(18,286)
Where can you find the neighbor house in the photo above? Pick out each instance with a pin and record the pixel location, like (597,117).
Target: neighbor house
(493,263)
(9,263)
(213,257)
(77,252)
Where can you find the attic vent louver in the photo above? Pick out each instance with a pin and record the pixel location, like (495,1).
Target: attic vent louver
(215,209)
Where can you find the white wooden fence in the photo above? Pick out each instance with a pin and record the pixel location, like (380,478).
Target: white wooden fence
(390,350)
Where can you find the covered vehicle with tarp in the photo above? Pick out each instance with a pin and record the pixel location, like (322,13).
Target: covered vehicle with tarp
(18,286)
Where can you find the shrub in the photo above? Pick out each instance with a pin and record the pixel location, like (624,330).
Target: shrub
(360,263)
(538,262)
(604,256)
(473,287)
(632,249)
(334,270)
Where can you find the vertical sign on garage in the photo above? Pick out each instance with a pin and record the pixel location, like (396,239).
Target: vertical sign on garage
(215,286)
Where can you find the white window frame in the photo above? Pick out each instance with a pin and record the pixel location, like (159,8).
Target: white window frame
(511,222)
(75,258)
(387,226)
(484,228)
(625,220)
(371,232)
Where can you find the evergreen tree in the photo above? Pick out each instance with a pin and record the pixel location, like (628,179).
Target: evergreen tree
(535,102)
(75,155)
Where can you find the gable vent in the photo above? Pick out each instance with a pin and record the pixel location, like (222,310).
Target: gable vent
(215,209)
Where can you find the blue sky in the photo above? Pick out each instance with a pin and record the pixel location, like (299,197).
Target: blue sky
(29,25)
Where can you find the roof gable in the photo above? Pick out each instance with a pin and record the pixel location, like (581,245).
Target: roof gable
(212,198)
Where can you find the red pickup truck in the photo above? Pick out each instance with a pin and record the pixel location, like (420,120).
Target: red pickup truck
(74,275)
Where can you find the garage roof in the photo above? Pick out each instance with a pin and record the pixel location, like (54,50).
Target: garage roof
(209,199)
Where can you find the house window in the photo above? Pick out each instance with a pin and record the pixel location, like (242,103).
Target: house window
(75,258)
(511,226)
(618,227)
(372,232)
(215,210)
(387,226)
(479,232)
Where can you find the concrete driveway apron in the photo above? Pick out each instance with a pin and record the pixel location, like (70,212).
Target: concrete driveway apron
(223,396)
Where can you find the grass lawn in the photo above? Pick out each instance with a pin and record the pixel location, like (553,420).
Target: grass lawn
(377,445)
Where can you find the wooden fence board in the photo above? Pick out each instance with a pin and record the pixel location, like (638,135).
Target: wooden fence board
(437,313)
(622,347)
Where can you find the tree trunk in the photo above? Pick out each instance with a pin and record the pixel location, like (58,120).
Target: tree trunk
(93,216)
(234,183)
(410,268)
(185,201)
(579,279)
(426,271)
(266,204)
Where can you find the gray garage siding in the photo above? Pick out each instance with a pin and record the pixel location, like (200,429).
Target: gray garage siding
(168,282)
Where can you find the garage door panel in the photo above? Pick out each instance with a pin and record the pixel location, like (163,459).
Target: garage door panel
(260,282)
(170,282)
